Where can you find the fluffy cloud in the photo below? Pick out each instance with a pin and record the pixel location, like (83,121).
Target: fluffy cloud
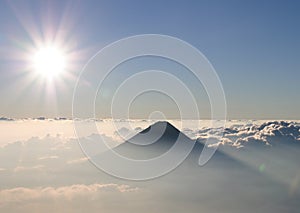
(31,169)
(75,161)
(56,176)
(54,152)
(66,192)
(6,119)
(266,134)
(73,198)
(38,161)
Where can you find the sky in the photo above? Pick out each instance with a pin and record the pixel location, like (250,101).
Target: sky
(253,45)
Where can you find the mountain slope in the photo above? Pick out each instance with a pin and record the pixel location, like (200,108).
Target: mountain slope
(153,141)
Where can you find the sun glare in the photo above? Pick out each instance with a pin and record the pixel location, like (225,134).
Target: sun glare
(49,62)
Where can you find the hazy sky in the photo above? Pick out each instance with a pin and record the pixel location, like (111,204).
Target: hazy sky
(253,45)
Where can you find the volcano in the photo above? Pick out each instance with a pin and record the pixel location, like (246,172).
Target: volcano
(156,140)
(153,141)
(159,137)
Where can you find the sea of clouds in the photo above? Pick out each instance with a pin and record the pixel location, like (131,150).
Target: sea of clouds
(43,167)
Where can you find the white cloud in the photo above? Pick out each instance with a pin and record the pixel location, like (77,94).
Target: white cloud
(80,160)
(48,157)
(57,176)
(31,168)
(266,134)
(23,194)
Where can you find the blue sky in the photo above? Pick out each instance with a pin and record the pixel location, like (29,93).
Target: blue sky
(253,45)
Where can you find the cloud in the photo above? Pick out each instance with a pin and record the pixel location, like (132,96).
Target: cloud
(31,169)
(57,177)
(48,157)
(39,160)
(61,119)
(6,119)
(44,160)
(64,193)
(122,131)
(80,160)
(267,134)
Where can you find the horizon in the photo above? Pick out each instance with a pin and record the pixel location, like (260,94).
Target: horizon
(42,118)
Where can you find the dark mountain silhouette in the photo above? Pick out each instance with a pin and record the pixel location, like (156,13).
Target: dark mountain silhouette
(158,138)
(167,131)
(152,141)
(161,133)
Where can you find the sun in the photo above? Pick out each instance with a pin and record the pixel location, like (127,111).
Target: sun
(49,62)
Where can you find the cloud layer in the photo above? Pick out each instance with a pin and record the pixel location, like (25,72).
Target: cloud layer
(50,173)
(266,134)
(73,198)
